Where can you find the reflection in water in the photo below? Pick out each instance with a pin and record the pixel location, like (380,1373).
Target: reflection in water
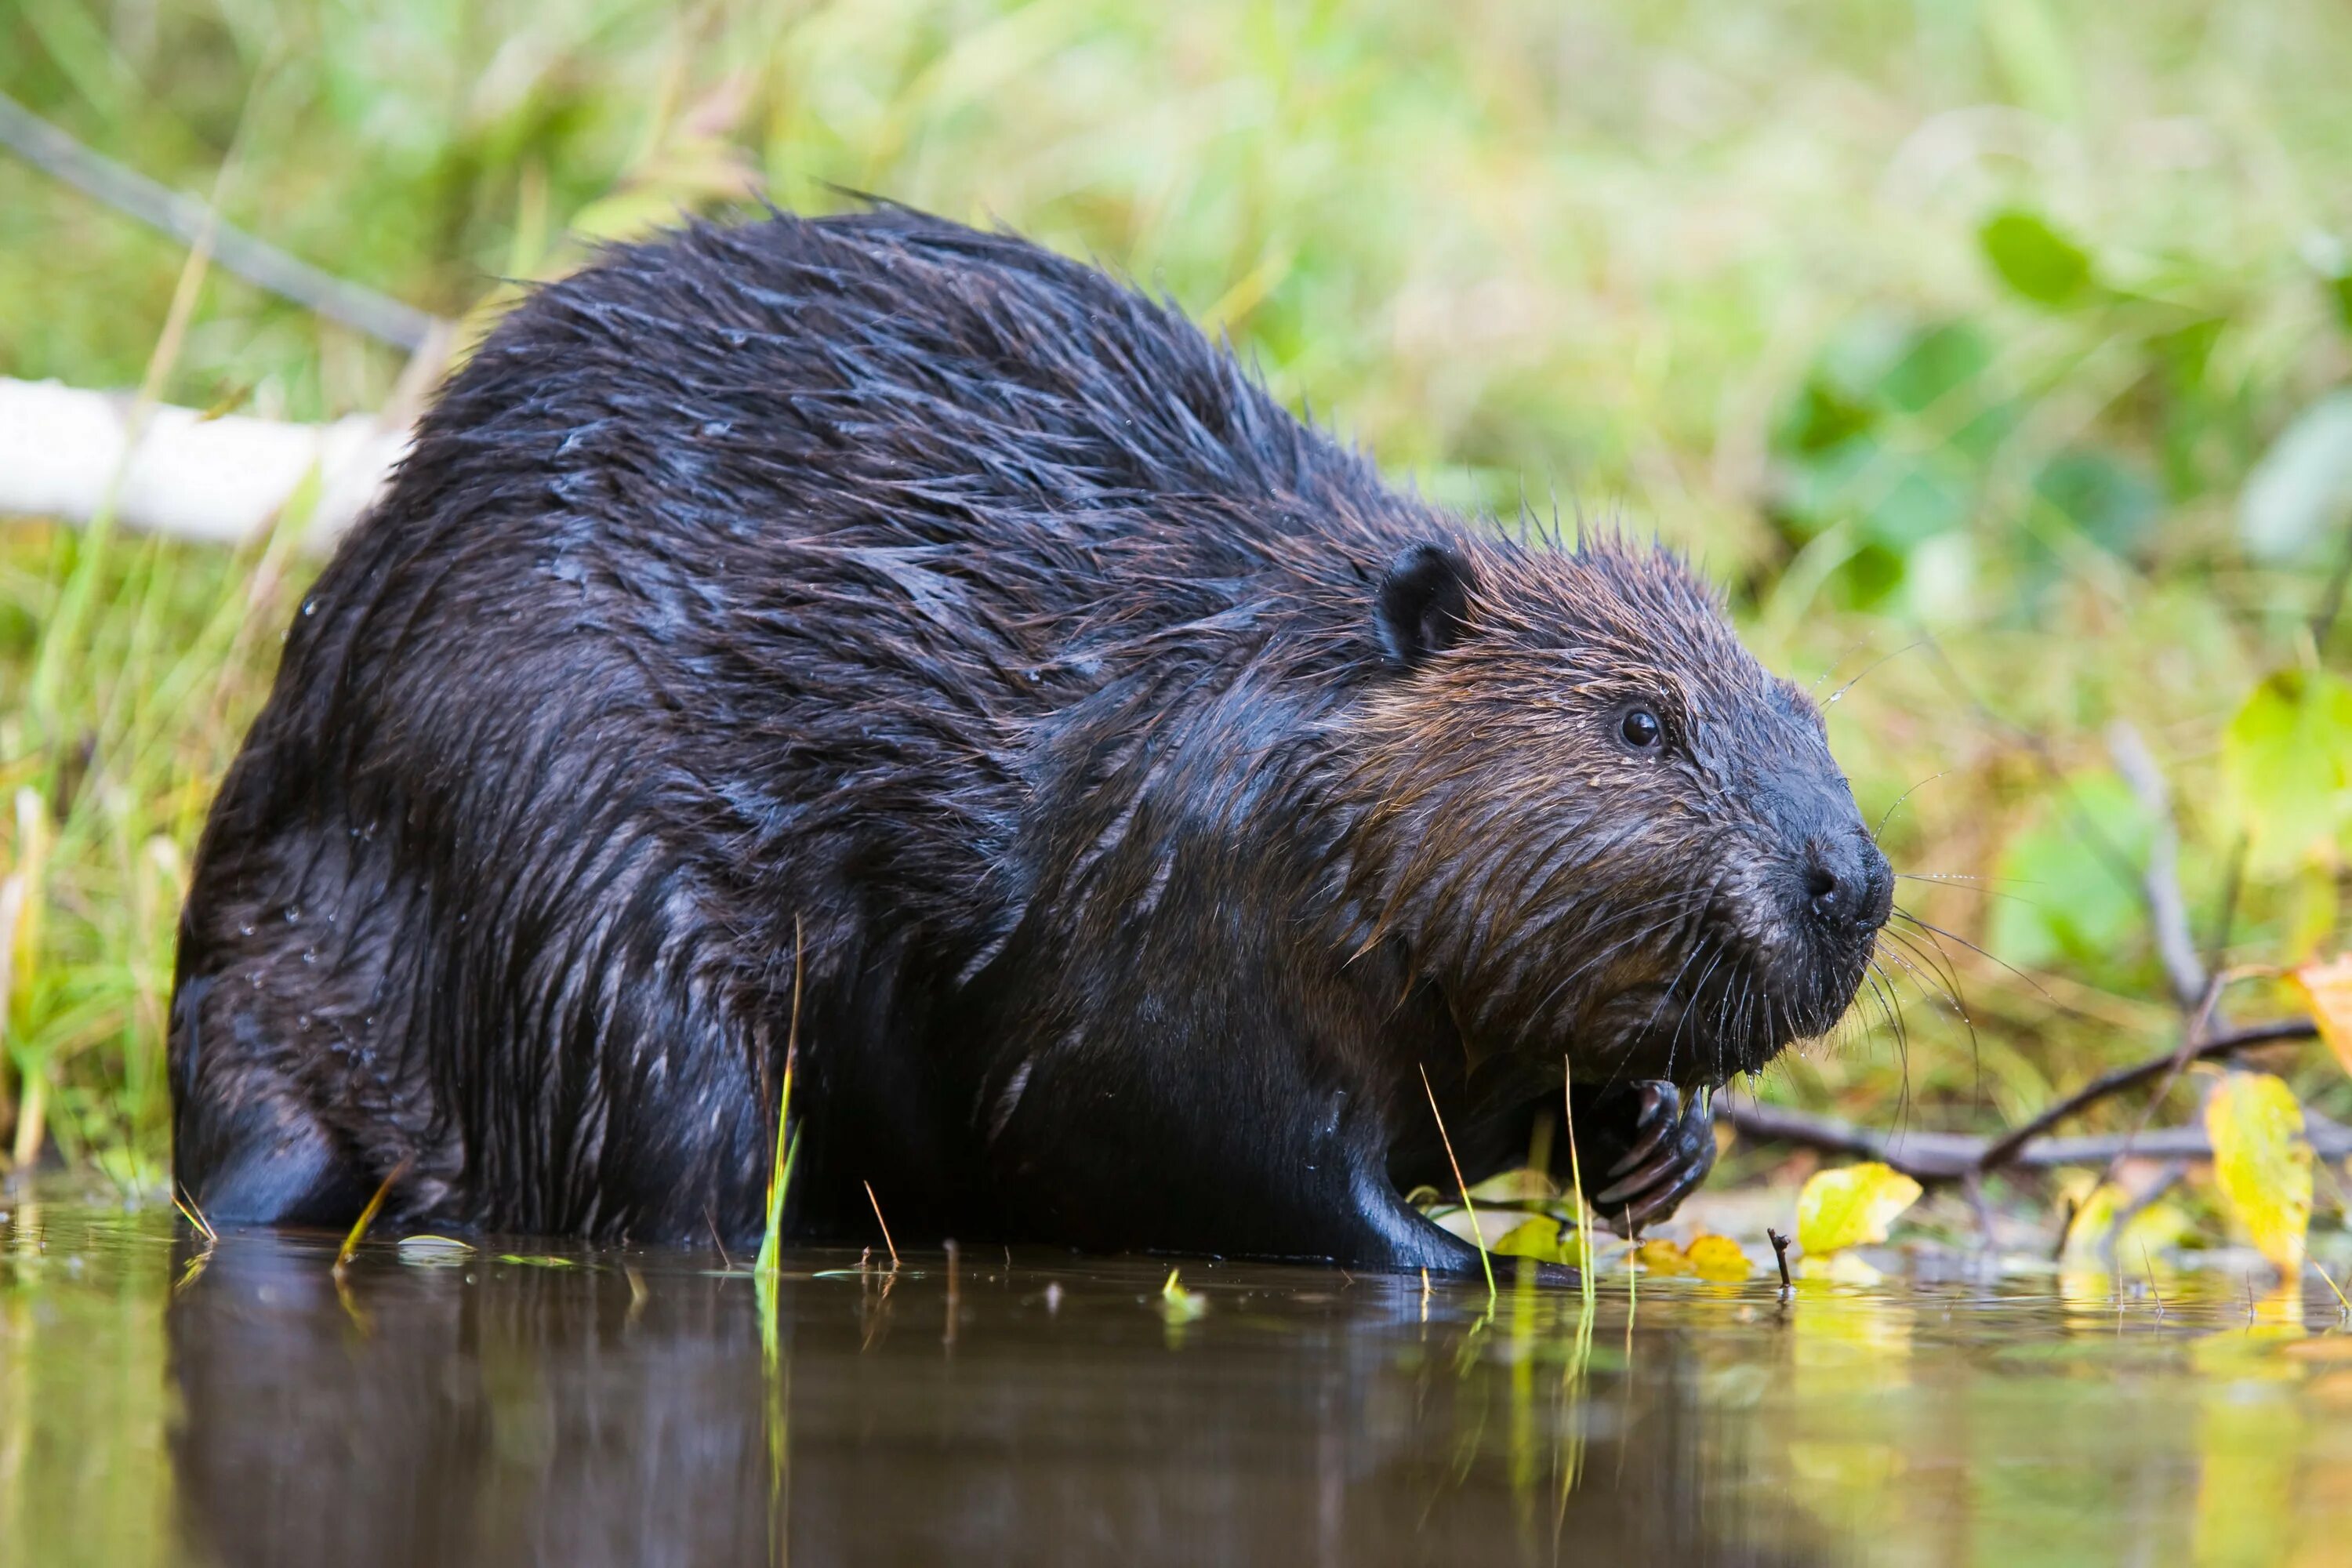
(507,1414)
(158,1406)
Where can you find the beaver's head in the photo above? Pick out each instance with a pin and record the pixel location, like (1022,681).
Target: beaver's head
(1598,825)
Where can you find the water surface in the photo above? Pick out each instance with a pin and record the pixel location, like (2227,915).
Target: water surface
(164,1402)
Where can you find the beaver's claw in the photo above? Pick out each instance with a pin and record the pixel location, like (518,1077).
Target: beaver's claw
(1642,1150)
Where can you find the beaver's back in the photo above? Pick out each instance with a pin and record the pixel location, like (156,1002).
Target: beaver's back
(731,605)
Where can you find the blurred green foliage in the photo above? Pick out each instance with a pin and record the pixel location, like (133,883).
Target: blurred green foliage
(1994,354)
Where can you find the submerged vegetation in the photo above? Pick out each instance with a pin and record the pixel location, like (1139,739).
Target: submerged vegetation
(1995,356)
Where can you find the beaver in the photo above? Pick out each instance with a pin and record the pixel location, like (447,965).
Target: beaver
(893,649)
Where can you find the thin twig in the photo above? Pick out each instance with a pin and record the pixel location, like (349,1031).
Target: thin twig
(2225,913)
(257,261)
(2003,1150)
(2199,1025)
(2160,883)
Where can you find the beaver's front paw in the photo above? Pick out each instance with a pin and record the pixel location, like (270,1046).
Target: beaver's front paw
(1642,1149)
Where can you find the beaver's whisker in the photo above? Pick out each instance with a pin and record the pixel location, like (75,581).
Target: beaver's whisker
(1691,1013)
(1890,1010)
(1926,967)
(1664,997)
(1873,665)
(1655,928)
(1930,953)
(1971,885)
(1947,998)
(1929,984)
(1939,932)
(1899,799)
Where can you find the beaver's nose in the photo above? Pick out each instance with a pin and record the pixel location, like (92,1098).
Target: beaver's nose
(1848,883)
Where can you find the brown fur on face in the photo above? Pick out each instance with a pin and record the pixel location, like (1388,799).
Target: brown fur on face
(1641,908)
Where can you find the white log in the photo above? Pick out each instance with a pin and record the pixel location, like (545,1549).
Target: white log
(63,450)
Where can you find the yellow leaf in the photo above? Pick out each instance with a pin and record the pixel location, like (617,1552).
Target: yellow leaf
(1851,1207)
(1660,1255)
(2262,1163)
(1717,1257)
(1537,1238)
(2326,990)
(1844,1269)
(2095,1216)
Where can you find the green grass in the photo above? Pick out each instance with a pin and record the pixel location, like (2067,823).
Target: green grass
(1950,320)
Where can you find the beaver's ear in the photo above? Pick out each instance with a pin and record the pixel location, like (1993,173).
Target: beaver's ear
(1424,604)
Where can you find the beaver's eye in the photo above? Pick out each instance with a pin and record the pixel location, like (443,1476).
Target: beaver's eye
(1641,727)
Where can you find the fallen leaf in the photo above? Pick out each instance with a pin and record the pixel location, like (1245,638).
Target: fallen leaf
(440,1251)
(2327,988)
(2261,1163)
(1660,1255)
(1851,1207)
(1844,1269)
(1537,1238)
(1717,1257)
(2095,1216)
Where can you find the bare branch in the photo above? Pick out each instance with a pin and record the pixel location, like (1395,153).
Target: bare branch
(225,481)
(2160,883)
(1933,1158)
(1957,1156)
(257,261)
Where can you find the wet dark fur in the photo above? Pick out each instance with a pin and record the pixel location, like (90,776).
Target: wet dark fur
(1136,795)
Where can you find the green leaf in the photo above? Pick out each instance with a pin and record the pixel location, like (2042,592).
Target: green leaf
(1936,361)
(2035,63)
(2065,900)
(2033,258)
(2299,495)
(2286,764)
(2111,501)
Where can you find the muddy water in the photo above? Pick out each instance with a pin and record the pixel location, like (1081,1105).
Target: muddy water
(160,1403)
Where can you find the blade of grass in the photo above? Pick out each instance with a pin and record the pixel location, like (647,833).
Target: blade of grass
(883,1224)
(1485,1261)
(194,1215)
(781,1172)
(367,1217)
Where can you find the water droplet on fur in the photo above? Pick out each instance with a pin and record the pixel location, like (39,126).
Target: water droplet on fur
(309,955)
(293,913)
(302,1022)
(256,978)
(244,929)
(310,607)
